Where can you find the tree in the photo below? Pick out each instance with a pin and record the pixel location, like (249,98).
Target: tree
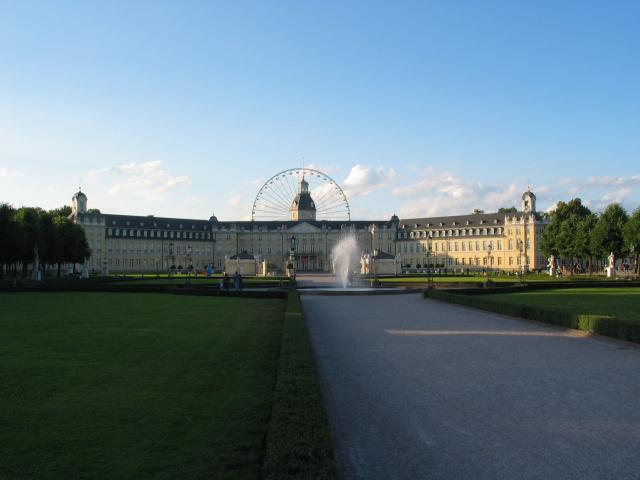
(560,237)
(477,211)
(11,238)
(582,239)
(63,211)
(632,238)
(608,233)
(508,211)
(29,220)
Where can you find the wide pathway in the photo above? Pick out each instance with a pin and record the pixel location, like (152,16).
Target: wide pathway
(416,388)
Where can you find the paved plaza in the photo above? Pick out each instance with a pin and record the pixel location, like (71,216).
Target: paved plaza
(415,388)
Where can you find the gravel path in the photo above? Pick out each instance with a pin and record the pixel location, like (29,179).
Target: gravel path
(416,388)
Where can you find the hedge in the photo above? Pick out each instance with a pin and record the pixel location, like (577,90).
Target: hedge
(298,440)
(600,324)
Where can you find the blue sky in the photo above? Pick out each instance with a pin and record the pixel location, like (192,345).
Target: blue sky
(419,108)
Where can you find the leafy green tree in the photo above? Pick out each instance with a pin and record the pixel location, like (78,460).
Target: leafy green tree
(78,247)
(632,237)
(508,211)
(608,233)
(49,240)
(561,238)
(63,211)
(582,239)
(29,220)
(478,211)
(11,238)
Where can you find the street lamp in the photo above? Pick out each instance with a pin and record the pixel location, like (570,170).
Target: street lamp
(489,257)
(171,260)
(521,250)
(430,253)
(189,262)
(293,244)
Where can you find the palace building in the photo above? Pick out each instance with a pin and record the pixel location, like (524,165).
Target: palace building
(132,243)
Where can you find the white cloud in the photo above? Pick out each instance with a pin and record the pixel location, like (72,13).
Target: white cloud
(609,181)
(442,193)
(233,199)
(6,173)
(363,179)
(146,180)
(326,169)
(193,200)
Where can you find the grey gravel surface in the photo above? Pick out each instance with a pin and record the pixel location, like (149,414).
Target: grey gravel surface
(416,388)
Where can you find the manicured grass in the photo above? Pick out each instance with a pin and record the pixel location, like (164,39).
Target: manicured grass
(611,311)
(298,443)
(620,303)
(117,385)
(483,278)
(246,281)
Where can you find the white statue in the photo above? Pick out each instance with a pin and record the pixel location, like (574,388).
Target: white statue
(553,268)
(37,275)
(611,269)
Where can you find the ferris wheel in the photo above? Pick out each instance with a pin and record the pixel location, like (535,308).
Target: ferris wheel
(273,201)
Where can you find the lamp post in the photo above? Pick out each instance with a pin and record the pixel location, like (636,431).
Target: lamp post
(521,250)
(489,258)
(293,244)
(189,261)
(171,260)
(430,253)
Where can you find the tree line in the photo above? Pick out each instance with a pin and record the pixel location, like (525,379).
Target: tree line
(576,236)
(52,235)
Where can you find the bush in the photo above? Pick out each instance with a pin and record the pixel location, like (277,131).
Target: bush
(298,441)
(600,324)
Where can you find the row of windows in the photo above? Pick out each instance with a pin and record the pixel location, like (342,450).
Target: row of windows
(451,233)
(155,225)
(470,261)
(127,232)
(460,246)
(143,247)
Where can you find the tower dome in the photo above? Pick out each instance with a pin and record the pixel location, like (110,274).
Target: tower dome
(303,206)
(528,202)
(78,203)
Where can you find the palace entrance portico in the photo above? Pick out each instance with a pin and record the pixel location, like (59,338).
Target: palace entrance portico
(309,262)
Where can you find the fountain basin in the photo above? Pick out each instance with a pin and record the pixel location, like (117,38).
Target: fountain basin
(339,291)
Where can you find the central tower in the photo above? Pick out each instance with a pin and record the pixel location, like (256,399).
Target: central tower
(302,207)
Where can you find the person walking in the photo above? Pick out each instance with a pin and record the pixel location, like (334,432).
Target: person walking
(236,281)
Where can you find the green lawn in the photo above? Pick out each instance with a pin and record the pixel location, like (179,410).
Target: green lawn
(482,278)
(119,385)
(246,281)
(620,303)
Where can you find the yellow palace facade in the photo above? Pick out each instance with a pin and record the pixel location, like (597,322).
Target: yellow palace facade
(131,243)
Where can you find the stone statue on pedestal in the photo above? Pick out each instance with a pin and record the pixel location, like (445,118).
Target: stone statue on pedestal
(552,266)
(611,269)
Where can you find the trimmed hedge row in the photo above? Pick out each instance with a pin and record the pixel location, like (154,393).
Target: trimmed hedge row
(600,324)
(174,289)
(298,441)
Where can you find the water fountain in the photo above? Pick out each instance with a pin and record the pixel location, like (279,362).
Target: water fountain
(345,257)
